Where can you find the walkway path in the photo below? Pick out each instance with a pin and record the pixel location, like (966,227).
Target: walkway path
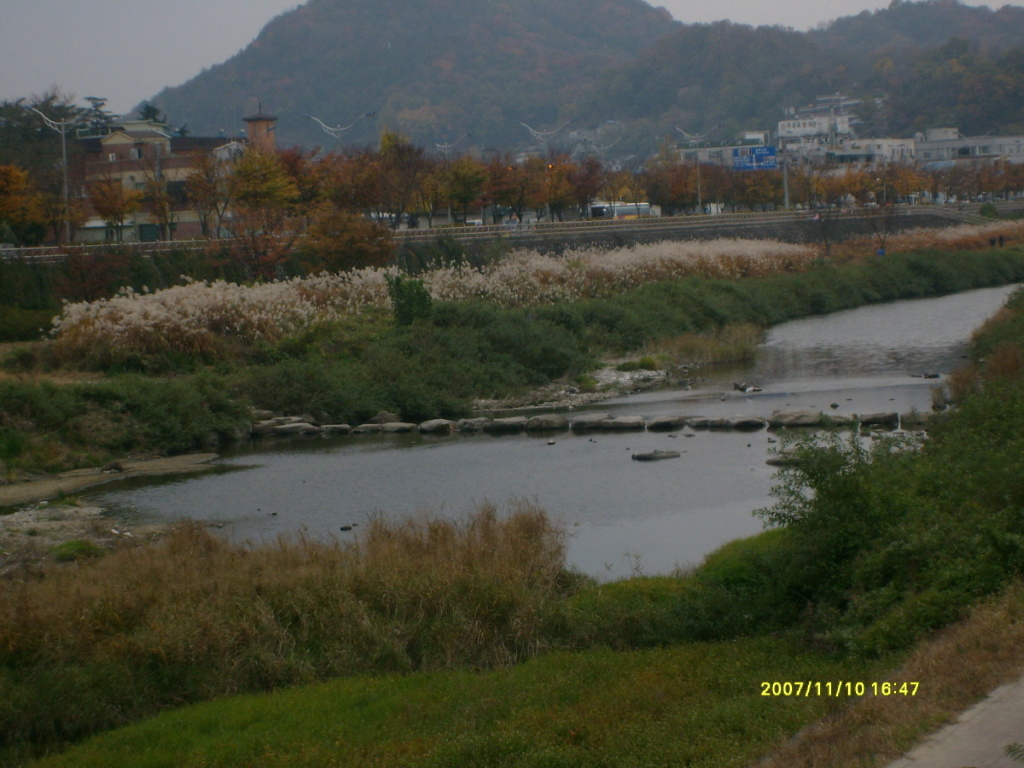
(978,738)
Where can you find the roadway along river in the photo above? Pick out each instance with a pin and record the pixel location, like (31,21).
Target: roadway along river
(622,515)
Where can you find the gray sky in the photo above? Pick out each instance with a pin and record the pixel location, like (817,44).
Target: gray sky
(128,50)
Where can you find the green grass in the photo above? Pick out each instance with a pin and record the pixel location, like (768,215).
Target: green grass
(698,705)
(76,549)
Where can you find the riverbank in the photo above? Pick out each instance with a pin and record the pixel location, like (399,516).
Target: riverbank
(49,521)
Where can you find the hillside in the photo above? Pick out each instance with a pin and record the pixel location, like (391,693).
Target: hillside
(433,70)
(436,70)
(935,63)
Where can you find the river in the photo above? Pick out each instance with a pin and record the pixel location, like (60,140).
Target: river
(623,516)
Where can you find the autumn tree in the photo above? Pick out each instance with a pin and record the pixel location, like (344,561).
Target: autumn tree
(20,208)
(401,166)
(759,188)
(353,180)
(826,189)
(585,180)
(558,189)
(673,187)
(264,225)
(310,177)
(464,182)
(534,181)
(506,185)
(26,141)
(114,202)
(161,199)
(429,193)
(208,189)
(338,240)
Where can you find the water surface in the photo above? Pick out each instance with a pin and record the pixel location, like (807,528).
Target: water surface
(623,515)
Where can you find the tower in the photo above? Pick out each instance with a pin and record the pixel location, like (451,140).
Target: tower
(261,130)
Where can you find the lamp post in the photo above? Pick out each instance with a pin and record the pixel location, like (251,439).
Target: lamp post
(601,149)
(339,131)
(444,149)
(696,139)
(62,127)
(544,137)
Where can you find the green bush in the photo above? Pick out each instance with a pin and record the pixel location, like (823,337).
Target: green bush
(24,324)
(76,549)
(409,298)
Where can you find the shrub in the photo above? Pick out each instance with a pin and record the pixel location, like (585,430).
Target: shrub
(337,241)
(76,549)
(409,298)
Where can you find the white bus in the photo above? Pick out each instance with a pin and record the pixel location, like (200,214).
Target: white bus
(620,210)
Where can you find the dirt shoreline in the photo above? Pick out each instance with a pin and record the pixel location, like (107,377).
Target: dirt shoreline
(69,483)
(50,514)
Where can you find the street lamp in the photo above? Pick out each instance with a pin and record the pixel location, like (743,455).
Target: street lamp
(338,131)
(544,137)
(601,149)
(444,149)
(62,127)
(696,139)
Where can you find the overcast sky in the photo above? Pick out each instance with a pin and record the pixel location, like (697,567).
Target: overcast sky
(128,50)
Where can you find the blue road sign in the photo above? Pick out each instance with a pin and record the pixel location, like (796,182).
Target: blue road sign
(759,158)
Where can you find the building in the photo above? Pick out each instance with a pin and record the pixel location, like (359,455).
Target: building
(868,152)
(814,133)
(145,157)
(943,145)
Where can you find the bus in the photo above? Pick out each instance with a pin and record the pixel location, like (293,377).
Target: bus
(620,210)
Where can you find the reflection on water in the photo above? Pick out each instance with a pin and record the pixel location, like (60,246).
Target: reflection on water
(620,513)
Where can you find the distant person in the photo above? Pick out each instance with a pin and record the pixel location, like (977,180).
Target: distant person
(1001,241)
(880,252)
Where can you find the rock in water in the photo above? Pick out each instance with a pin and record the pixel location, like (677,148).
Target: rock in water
(655,455)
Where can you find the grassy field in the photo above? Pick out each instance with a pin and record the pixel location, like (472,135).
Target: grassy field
(697,704)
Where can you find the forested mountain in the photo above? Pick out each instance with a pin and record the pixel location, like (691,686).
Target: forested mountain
(432,69)
(435,70)
(914,65)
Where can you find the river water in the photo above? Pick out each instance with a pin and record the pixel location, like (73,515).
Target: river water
(623,516)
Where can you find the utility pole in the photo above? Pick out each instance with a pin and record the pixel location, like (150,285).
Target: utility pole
(696,139)
(62,127)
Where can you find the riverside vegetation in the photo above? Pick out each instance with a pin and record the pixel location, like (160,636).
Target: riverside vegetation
(183,366)
(470,644)
(517,660)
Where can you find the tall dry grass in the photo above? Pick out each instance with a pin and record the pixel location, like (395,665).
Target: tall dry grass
(729,344)
(200,317)
(966,237)
(95,644)
(955,669)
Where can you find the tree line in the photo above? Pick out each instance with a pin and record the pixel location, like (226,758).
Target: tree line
(345,202)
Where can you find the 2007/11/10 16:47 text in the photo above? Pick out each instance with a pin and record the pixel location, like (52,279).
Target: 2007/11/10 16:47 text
(838,688)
